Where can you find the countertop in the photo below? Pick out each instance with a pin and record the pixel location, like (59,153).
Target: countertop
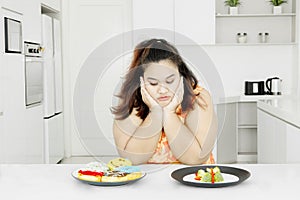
(286,109)
(40,181)
(246,98)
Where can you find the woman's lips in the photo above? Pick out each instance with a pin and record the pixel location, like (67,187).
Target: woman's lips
(164,98)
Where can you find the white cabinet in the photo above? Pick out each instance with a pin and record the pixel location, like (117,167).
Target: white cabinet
(238,135)
(278,141)
(247,132)
(22,134)
(254,17)
(54,141)
(15,6)
(32,21)
(193,19)
(1,138)
(292,144)
(227,140)
(54,5)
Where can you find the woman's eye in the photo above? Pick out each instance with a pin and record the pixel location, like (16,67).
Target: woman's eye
(153,83)
(170,81)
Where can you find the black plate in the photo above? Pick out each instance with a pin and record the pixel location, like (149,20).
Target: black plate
(241,174)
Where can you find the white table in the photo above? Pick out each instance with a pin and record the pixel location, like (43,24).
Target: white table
(55,182)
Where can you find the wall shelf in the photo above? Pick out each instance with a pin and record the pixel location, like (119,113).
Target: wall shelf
(256,15)
(253,44)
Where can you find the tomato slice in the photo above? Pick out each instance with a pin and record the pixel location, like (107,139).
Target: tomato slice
(212,175)
(90,173)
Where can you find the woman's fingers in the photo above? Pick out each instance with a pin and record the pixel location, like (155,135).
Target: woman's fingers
(148,100)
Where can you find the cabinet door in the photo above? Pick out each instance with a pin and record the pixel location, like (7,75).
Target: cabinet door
(54,139)
(265,138)
(32,21)
(1,138)
(196,20)
(292,144)
(227,138)
(16,6)
(57,66)
(51,4)
(153,14)
(271,139)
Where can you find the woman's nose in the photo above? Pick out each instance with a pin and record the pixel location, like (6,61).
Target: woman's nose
(162,89)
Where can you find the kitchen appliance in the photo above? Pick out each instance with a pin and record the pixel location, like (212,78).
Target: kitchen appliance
(13,35)
(53,110)
(273,86)
(254,87)
(33,74)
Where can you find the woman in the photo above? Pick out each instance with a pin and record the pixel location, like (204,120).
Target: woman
(163,116)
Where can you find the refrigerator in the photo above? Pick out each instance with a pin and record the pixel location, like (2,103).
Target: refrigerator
(53,100)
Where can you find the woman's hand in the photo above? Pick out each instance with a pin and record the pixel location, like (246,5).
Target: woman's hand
(177,99)
(147,98)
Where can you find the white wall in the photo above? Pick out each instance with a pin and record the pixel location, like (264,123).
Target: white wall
(86,25)
(235,64)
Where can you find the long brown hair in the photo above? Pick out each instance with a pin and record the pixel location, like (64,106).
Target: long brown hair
(151,51)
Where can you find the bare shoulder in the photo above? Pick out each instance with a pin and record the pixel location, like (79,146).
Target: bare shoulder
(134,117)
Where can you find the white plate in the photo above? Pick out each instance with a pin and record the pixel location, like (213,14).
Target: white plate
(228,178)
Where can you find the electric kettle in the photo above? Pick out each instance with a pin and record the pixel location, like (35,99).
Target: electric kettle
(273,86)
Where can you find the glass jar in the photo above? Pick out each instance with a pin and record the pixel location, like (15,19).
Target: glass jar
(263,37)
(241,37)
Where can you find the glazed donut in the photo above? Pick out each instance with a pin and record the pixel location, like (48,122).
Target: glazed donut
(134,175)
(118,162)
(114,176)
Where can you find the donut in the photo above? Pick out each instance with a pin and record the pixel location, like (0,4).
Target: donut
(118,162)
(128,169)
(114,176)
(88,175)
(134,175)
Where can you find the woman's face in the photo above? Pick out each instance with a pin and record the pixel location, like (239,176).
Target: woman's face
(161,81)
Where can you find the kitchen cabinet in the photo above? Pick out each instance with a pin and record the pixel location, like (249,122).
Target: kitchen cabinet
(192,19)
(54,5)
(1,137)
(22,134)
(237,139)
(32,21)
(15,6)
(254,17)
(278,141)
(227,140)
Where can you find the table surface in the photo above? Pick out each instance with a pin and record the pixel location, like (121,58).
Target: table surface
(40,181)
